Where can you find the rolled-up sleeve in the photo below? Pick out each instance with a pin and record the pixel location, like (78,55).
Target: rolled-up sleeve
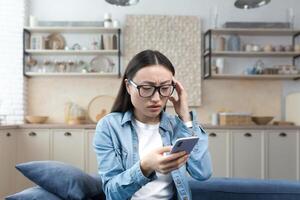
(199,162)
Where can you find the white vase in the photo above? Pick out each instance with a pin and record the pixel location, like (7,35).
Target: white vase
(220,65)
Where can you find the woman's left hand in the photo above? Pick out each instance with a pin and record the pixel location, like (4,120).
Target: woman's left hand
(181,104)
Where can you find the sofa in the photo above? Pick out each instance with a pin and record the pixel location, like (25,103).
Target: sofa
(56,180)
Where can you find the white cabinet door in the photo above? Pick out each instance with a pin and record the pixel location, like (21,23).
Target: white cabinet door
(248,154)
(68,146)
(31,145)
(92,166)
(283,154)
(8,161)
(219,141)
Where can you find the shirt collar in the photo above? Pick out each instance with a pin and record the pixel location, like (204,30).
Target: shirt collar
(164,121)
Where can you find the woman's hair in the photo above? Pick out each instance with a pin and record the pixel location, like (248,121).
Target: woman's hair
(143,59)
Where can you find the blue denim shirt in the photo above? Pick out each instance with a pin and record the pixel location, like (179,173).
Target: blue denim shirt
(116,146)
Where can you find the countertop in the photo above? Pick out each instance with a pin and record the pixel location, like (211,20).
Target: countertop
(93,126)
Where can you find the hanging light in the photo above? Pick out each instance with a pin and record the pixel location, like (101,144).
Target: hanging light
(122,2)
(248,4)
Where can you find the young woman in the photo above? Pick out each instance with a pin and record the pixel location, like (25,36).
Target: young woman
(133,142)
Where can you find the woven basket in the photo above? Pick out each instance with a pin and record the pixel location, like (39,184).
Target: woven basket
(235,119)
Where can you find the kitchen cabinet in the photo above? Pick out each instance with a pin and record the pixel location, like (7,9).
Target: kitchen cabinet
(255,153)
(32,144)
(85,57)
(68,146)
(247,154)
(283,154)
(274,37)
(92,165)
(8,161)
(219,141)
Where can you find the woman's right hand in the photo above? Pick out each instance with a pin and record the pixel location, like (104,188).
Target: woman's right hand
(157,160)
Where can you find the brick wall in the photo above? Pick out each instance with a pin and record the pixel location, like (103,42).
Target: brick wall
(13,85)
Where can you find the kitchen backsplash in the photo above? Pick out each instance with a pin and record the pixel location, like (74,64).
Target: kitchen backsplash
(47,96)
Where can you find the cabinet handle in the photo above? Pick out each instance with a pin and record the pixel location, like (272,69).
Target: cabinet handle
(68,134)
(282,134)
(248,135)
(8,134)
(212,135)
(32,134)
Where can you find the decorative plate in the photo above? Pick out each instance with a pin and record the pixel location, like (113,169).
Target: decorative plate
(56,41)
(99,106)
(102,64)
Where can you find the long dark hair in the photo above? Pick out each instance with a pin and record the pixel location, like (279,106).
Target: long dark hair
(143,59)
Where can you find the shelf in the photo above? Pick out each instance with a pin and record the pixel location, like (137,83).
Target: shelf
(209,53)
(74,74)
(252,54)
(62,29)
(82,52)
(256,77)
(255,31)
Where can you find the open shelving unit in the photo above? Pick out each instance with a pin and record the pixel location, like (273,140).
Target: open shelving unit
(28,31)
(208,52)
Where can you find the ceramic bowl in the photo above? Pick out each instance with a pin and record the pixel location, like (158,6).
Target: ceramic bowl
(34,119)
(261,120)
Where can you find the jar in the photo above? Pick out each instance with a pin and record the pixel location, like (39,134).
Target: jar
(234,43)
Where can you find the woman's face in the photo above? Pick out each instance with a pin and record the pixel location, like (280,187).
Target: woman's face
(147,109)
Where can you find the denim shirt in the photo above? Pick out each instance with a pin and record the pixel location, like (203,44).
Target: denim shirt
(116,147)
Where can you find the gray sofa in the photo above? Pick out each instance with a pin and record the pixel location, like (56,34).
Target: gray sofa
(57,180)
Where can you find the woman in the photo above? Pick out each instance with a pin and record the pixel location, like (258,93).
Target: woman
(133,142)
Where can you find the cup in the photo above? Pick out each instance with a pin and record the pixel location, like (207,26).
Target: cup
(116,23)
(268,48)
(220,45)
(215,119)
(248,47)
(33,21)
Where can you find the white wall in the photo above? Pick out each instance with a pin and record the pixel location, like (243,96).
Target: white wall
(94,10)
(13,86)
(217,94)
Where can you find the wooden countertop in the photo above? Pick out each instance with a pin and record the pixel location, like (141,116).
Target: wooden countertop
(93,126)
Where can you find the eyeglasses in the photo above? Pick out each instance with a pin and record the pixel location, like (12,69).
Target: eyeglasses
(149,90)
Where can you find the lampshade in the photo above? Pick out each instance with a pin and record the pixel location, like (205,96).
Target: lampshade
(248,4)
(123,2)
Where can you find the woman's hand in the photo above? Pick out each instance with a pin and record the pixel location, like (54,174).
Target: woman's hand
(181,104)
(157,161)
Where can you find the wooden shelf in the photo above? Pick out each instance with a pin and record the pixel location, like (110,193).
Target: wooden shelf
(255,31)
(256,77)
(62,29)
(84,52)
(74,74)
(252,54)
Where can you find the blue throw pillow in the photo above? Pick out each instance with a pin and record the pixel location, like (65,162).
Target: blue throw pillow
(61,179)
(34,193)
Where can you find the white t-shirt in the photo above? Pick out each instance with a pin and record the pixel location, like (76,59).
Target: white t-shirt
(162,187)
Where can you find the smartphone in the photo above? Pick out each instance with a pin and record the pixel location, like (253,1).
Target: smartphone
(184,144)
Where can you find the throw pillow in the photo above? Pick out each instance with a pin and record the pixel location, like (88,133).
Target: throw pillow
(34,193)
(61,179)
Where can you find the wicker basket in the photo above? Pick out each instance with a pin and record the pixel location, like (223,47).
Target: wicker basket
(235,119)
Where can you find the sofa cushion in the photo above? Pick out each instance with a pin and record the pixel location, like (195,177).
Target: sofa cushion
(246,189)
(61,179)
(34,193)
